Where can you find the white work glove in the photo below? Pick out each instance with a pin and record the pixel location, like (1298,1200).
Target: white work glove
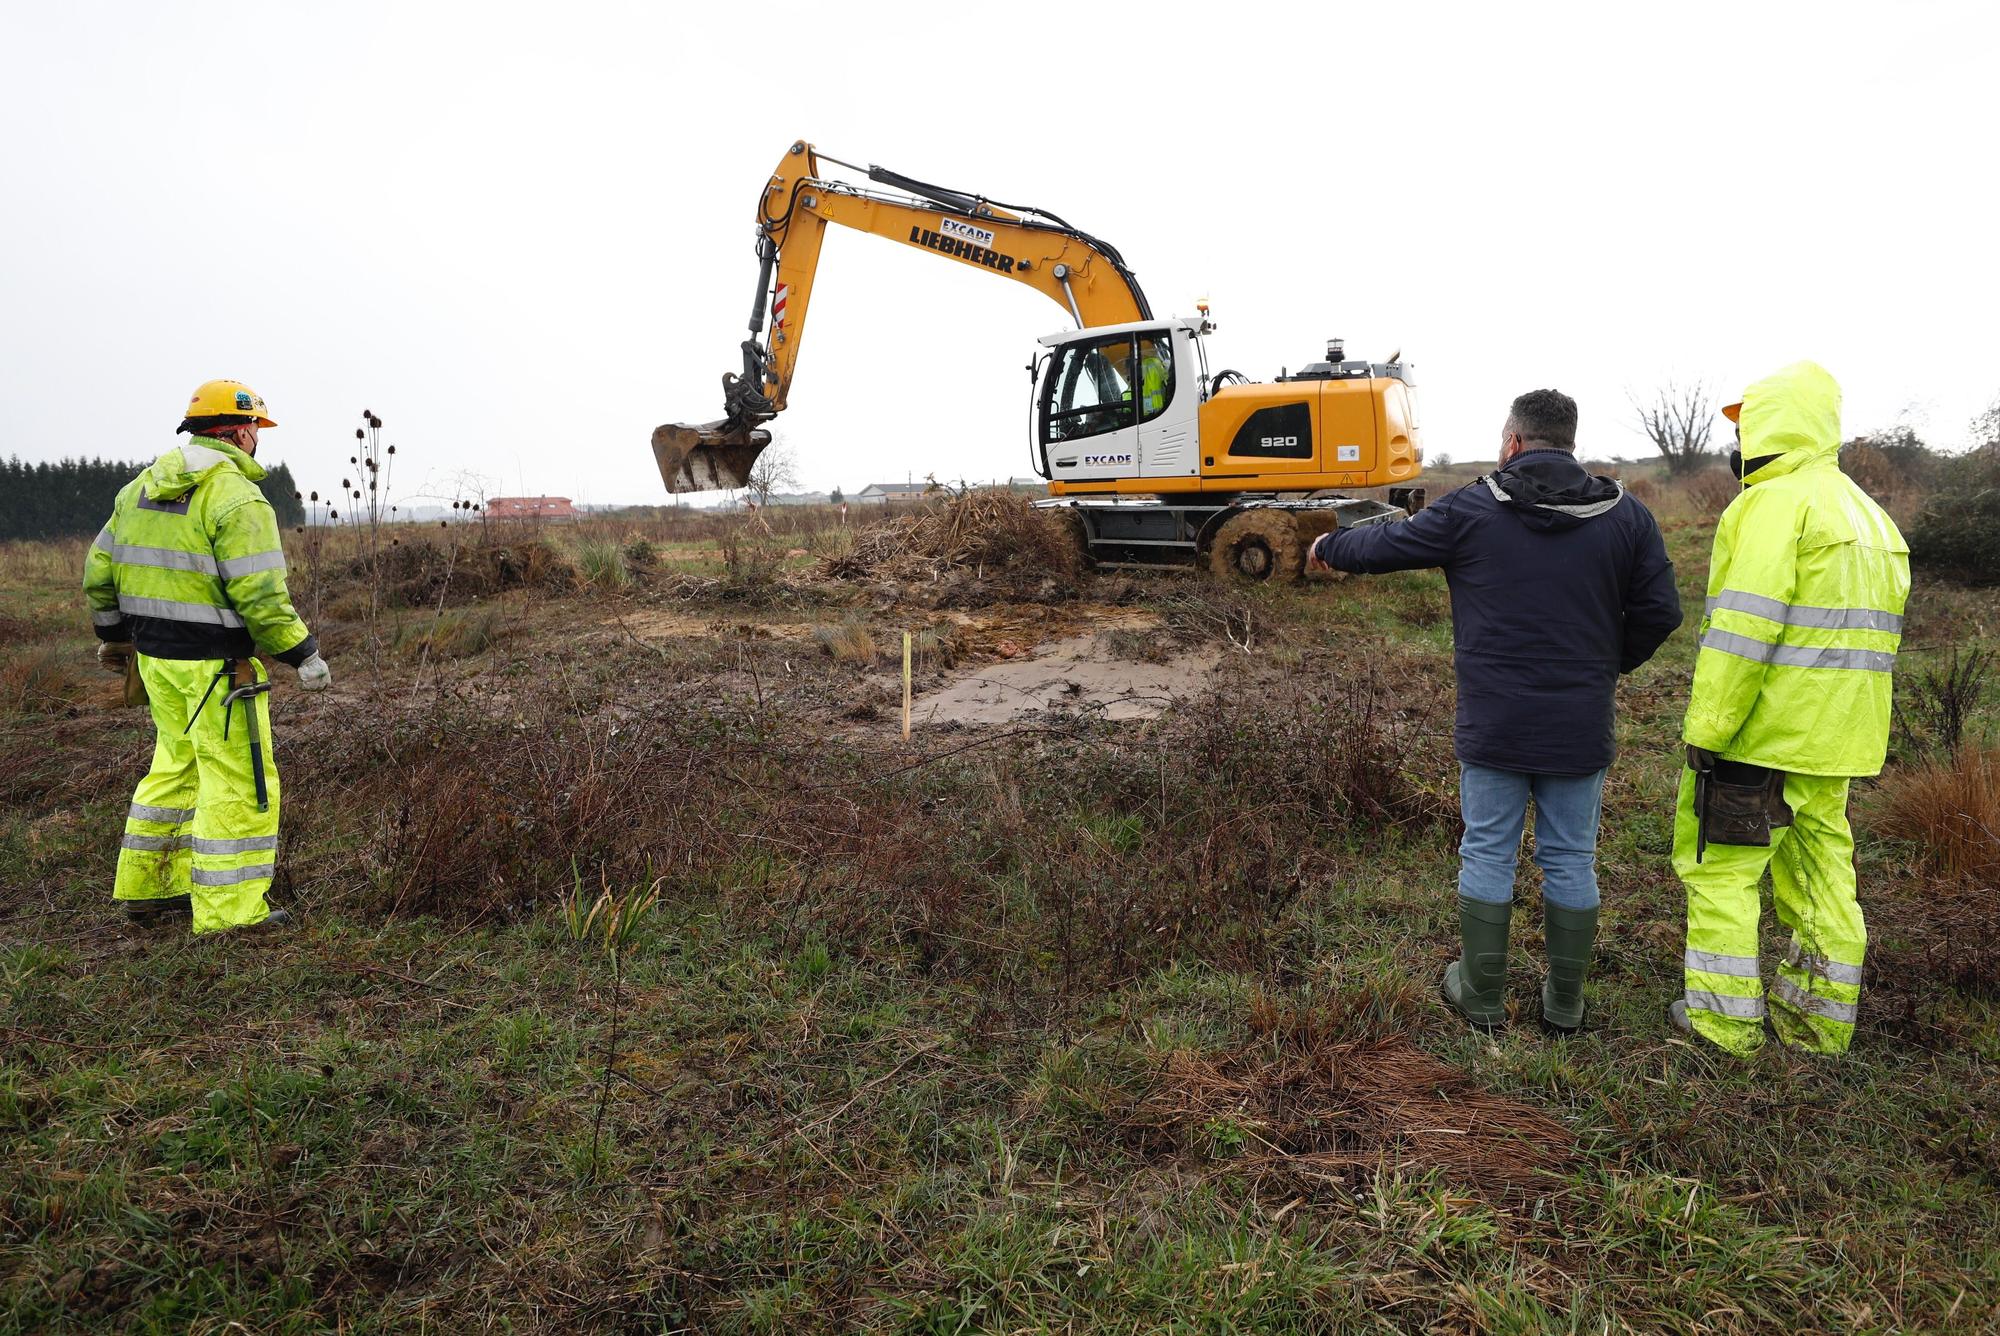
(314,675)
(113,657)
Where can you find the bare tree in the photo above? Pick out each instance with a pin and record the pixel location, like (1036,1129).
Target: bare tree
(774,471)
(1677,420)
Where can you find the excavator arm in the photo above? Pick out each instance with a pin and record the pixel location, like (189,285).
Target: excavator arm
(1084,276)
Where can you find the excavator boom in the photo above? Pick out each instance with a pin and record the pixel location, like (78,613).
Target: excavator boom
(1085,276)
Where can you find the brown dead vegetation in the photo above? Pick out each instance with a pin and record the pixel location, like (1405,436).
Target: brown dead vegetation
(1315,1100)
(40,679)
(1949,809)
(1710,491)
(1194,838)
(1937,924)
(997,539)
(423,572)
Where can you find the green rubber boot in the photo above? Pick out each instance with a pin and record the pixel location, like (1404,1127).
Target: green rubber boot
(1476,983)
(1570,933)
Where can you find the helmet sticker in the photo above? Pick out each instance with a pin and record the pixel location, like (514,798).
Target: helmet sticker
(245,401)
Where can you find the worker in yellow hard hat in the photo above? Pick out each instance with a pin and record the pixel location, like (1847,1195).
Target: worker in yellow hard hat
(1791,702)
(187,580)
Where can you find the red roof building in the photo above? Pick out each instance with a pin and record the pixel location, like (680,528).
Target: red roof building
(531,508)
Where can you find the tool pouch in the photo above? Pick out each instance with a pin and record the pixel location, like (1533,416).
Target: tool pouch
(1738,804)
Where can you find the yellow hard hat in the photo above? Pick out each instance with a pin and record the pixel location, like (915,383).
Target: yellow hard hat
(227,399)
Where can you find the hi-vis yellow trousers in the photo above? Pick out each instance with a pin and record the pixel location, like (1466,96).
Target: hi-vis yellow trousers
(195,827)
(1817,991)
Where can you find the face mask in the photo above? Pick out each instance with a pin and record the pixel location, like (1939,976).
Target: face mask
(1740,466)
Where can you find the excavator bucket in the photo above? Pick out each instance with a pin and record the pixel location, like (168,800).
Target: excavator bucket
(707,457)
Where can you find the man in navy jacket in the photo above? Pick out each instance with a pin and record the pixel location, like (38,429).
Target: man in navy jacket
(1559,582)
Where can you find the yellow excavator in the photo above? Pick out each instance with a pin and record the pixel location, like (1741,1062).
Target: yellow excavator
(1150,459)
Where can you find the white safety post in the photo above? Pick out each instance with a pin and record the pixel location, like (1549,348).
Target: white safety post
(906,686)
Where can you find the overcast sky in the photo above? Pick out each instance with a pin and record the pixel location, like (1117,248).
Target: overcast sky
(522,233)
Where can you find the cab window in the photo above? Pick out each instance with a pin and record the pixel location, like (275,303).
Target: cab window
(1156,374)
(1089,389)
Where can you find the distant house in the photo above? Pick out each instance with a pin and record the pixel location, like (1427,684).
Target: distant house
(531,508)
(892,491)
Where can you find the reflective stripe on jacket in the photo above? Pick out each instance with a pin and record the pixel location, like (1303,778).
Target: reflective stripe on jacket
(190,565)
(1806,589)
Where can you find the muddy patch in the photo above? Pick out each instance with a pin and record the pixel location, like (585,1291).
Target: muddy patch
(655,625)
(1074,673)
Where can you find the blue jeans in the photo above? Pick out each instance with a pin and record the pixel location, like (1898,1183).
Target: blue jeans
(1495,806)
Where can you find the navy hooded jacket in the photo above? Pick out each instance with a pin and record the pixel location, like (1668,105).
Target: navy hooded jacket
(1559,582)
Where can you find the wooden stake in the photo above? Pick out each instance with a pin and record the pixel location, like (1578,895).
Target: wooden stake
(906,686)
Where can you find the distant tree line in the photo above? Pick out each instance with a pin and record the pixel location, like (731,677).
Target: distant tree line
(73,497)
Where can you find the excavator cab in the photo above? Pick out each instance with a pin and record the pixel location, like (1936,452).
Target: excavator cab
(1120,402)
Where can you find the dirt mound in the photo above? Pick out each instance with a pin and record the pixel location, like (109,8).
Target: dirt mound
(996,540)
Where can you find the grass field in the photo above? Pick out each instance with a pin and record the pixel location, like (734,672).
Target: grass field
(648,981)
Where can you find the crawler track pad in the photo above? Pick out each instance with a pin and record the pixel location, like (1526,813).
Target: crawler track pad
(707,457)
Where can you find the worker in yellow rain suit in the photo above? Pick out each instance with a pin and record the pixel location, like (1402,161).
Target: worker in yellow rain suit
(188,580)
(1153,378)
(1791,701)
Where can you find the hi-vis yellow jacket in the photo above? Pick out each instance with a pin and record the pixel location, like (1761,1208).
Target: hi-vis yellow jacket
(1806,589)
(190,565)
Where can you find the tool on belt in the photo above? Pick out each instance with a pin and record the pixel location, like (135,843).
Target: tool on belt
(245,688)
(1738,803)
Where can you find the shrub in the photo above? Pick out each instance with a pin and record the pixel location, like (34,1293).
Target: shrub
(1711,490)
(424,573)
(1950,809)
(747,564)
(1935,704)
(602,564)
(1954,533)
(456,634)
(1872,470)
(1895,460)
(849,642)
